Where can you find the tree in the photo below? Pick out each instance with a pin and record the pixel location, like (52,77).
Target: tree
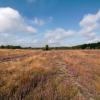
(46,47)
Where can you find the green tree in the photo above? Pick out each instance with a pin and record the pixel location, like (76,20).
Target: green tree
(46,47)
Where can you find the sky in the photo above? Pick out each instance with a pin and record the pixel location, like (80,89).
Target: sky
(36,23)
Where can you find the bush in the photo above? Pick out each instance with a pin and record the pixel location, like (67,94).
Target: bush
(46,47)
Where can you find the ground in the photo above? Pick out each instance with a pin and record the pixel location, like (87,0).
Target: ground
(49,75)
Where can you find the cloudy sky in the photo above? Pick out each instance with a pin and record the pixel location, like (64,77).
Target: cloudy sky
(55,22)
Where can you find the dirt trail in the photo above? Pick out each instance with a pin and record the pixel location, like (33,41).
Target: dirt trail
(12,58)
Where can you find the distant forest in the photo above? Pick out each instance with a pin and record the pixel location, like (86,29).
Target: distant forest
(83,46)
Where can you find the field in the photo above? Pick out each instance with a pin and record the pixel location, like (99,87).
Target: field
(49,75)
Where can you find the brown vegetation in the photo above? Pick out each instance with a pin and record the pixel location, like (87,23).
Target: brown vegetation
(50,75)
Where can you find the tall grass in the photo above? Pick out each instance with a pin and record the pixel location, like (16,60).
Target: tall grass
(52,75)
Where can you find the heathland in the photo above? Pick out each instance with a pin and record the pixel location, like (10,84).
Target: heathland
(49,75)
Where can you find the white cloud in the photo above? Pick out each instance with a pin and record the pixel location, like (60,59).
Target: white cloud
(57,35)
(90,24)
(96,39)
(12,22)
(38,22)
(41,22)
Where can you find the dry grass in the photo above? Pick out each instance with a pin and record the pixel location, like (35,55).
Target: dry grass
(50,75)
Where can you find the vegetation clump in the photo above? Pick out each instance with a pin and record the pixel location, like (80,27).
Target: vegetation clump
(46,47)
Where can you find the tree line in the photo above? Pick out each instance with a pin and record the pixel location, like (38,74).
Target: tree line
(83,46)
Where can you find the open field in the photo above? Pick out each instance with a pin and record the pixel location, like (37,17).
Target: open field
(49,75)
